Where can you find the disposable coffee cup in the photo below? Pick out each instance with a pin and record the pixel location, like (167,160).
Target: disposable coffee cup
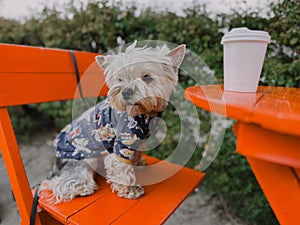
(244,54)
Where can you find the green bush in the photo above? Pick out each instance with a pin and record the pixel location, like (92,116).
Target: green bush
(101,25)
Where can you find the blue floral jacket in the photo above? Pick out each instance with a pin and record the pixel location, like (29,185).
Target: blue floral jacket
(101,129)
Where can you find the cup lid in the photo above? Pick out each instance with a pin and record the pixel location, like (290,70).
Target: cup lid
(245,34)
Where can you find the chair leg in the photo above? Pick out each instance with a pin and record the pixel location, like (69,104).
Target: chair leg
(15,168)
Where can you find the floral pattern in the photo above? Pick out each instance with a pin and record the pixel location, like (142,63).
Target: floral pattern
(101,129)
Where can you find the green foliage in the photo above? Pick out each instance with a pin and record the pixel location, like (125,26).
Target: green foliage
(60,113)
(101,25)
(22,122)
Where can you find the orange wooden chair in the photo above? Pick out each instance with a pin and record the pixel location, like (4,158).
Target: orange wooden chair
(34,75)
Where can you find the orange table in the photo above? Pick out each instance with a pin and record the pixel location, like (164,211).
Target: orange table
(268,135)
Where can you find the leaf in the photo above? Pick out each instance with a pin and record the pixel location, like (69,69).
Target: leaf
(294,41)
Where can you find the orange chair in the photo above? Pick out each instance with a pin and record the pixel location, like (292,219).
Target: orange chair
(34,75)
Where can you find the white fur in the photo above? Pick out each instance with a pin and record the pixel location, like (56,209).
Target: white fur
(115,62)
(151,73)
(75,179)
(122,178)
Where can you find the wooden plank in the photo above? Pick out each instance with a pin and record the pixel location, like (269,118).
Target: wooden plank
(63,211)
(208,98)
(47,219)
(213,98)
(274,108)
(279,110)
(162,198)
(106,209)
(110,205)
(157,206)
(29,59)
(257,142)
(32,75)
(35,88)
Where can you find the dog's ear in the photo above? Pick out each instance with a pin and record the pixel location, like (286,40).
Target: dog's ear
(100,59)
(177,55)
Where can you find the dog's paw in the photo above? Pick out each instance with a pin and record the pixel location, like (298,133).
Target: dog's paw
(130,192)
(86,190)
(72,189)
(68,190)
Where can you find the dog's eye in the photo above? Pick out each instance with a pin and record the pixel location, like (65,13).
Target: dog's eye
(120,80)
(146,78)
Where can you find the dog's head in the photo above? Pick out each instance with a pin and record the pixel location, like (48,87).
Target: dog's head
(141,80)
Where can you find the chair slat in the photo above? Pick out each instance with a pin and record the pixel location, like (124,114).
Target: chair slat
(28,59)
(32,75)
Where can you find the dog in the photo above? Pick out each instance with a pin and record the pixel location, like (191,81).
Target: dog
(141,81)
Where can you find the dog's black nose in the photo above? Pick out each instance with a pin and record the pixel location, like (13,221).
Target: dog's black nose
(127,93)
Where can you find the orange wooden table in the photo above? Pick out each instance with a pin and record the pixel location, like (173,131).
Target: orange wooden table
(268,135)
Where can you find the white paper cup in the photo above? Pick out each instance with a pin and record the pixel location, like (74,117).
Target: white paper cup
(244,54)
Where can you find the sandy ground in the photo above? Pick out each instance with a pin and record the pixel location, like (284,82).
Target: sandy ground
(197,209)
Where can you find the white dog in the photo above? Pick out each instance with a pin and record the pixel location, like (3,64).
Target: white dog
(140,82)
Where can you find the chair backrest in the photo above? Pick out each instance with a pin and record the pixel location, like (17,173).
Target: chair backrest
(34,75)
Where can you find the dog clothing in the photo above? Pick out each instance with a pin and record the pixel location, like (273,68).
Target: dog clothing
(101,129)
